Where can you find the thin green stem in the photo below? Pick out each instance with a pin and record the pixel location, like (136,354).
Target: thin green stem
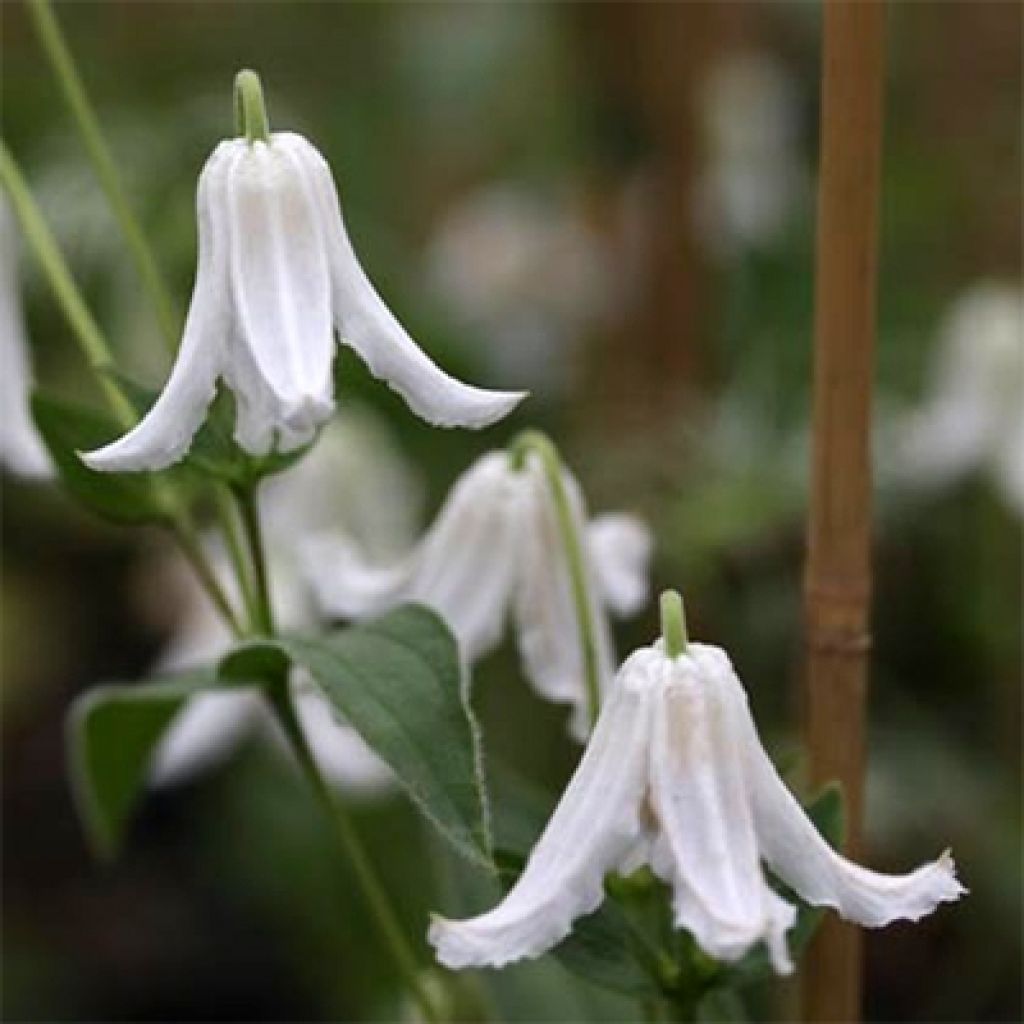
(536,443)
(87,332)
(231,528)
(193,551)
(348,839)
(62,62)
(247,502)
(52,40)
(250,108)
(94,347)
(673,623)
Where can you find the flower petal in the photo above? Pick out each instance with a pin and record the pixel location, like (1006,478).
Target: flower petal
(548,629)
(463,567)
(708,848)
(340,752)
(205,732)
(620,552)
(596,823)
(792,847)
(166,431)
(280,280)
(366,324)
(21,448)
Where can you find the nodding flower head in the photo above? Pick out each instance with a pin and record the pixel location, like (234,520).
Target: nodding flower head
(276,278)
(674,776)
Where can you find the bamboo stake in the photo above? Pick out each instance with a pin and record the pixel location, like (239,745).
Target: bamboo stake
(837,583)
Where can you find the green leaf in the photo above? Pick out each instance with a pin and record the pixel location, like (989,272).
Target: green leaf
(111,734)
(722,1006)
(603,948)
(67,429)
(397,681)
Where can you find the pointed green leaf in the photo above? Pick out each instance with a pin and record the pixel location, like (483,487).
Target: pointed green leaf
(111,734)
(397,681)
(67,429)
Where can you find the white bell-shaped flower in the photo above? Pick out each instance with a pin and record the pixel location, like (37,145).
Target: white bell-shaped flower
(972,418)
(498,546)
(21,449)
(675,776)
(276,277)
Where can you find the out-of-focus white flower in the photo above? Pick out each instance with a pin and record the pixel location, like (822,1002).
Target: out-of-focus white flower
(972,417)
(354,478)
(674,776)
(276,277)
(525,271)
(753,178)
(495,549)
(21,449)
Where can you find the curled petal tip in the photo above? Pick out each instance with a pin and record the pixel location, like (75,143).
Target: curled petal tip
(474,408)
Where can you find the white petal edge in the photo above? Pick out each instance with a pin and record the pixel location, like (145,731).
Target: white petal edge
(165,433)
(366,324)
(796,852)
(595,825)
(463,567)
(620,549)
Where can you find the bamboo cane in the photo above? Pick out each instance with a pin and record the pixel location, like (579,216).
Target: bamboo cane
(837,583)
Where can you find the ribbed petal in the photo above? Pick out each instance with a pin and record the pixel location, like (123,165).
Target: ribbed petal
(369,327)
(165,433)
(596,823)
(792,847)
(463,568)
(708,848)
(547,623)
(620,549)
(280,282)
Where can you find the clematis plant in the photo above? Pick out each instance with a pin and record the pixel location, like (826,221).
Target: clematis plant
(512,536)
(673,784)
(675,777)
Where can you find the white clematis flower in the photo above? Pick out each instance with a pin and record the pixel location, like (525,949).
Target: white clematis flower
(211,725)
(495,549)
(674,776)
(276,277)
(21,449)
(973,416)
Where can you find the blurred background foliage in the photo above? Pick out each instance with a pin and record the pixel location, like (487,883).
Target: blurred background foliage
(612,205)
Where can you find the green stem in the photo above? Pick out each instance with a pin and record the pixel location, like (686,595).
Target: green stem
(347,837)
(87,332)
(193,551)
(94,348)
(228,515)
(63,65)
(250,109)
(536,443)
(673,623)
(247,502)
